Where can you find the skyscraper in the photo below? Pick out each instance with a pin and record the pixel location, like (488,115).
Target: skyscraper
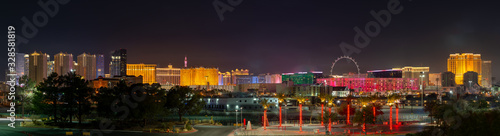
(63,63)
(20,67)
(86,66)
(20,64)
(486,74)
(470,78)
(99,65)
(147,71)
(26,64)
(38,66)
(50,67)
(459,64)
(118,64)
(448,79)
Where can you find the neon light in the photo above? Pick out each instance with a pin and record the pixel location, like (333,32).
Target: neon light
(390,120)
(322,114)
(330,120)
(348,112)
(280,115)
(372,84)
(384,70)
(316,71)
(397,115)
(374,114)
(300,106)
(264,118)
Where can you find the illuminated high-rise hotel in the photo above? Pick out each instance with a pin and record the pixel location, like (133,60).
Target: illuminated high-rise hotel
(199,76)
(37,66)
(20,64)
(118,64)
(147,71)
(99,65)
(486,74)
(63,63)
(86,66)
(459,64)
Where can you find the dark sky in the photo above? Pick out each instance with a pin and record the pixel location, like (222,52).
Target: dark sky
(264,36)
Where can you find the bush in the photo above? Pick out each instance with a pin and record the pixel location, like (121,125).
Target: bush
(188,126)
(34,119)
(167,125)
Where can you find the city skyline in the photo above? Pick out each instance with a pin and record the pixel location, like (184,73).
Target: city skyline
(250,67)
(240,41)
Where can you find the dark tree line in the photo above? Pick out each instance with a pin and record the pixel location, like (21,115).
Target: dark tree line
(462,118)
(64,97)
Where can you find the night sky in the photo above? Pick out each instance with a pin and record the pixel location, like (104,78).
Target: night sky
(264,36)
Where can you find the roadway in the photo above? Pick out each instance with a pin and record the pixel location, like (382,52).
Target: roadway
(20,131)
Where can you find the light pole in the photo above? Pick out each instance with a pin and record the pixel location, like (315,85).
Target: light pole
(241,117)
(470,85)
(236,120)
(285,112)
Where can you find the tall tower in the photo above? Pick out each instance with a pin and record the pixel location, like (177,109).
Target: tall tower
(86,66)
(486,74)
(63,63)
(459,64)
(99,65)
(38,66)
(185,61)
(118,64)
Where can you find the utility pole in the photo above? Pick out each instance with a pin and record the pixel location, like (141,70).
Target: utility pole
(236,119)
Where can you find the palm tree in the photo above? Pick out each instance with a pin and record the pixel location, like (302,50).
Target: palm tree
(374,99)
(391,99)
(328,116)
(349,97)
(330,99)
(322,97)
(364,101)
(281,99)
(301,100)
(265,104)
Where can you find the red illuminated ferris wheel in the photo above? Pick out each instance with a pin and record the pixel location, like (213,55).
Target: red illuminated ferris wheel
(345,57)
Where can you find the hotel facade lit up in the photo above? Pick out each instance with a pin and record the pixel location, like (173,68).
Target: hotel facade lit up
(168,75)
(199,76)
(373,84)
(374,81)
(147,71)
(459,64)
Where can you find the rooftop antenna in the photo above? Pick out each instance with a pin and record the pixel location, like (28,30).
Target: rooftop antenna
(185,61)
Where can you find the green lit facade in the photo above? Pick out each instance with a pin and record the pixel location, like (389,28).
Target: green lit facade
(301,78)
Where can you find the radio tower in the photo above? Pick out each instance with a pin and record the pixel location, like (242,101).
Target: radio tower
(185,61)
